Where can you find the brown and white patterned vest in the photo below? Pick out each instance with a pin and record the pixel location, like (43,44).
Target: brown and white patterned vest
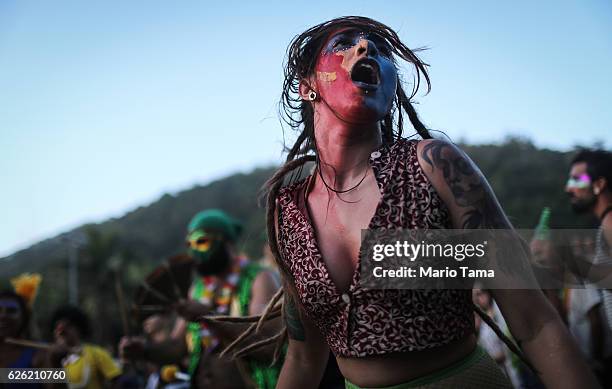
(364,322)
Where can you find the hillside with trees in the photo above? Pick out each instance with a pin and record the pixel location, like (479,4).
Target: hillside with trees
(524,178)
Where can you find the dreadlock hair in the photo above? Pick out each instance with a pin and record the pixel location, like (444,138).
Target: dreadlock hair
(302,55)
(298,114)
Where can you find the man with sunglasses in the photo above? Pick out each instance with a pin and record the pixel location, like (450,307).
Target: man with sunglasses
(225,283)
(590,189)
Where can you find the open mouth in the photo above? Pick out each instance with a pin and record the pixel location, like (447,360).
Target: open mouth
(365,73)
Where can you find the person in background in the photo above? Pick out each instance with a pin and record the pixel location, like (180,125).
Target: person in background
(589,187)
(14,322)
(590,190)
(586,322)
(225,284)
(489,340)
(157,328)
(17,348)
(87,366)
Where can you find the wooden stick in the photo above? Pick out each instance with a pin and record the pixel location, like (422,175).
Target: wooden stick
(39,345)
(151,308)
(28,343)
(122,308)
(156,293)
(242,319)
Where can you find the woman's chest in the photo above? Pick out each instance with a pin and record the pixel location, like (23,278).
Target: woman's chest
(338,224)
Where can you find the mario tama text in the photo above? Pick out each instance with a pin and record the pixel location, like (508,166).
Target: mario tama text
(438,259)
(425,252)
(498,259)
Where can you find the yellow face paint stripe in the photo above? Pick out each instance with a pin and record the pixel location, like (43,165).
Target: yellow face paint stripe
(326,76)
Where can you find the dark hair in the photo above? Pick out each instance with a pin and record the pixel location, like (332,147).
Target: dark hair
(25,311)
(75,316)
(302,55)
(598,162)
(299,115)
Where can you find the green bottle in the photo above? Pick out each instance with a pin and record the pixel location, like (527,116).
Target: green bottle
(542,230)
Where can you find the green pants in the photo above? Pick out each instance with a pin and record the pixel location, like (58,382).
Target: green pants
(477,370)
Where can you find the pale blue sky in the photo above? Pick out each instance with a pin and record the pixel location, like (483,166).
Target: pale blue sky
(106,105)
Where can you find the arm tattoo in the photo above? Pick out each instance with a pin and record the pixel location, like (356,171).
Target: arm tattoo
(295,328)
(478,208)
(467,185)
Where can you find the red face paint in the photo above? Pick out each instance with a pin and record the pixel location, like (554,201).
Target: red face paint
(356,77)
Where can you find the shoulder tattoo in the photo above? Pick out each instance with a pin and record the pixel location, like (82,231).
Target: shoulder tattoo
(470,190)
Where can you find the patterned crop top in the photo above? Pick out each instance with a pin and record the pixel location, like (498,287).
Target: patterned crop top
(363,322)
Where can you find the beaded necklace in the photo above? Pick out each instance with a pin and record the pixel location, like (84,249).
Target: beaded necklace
(215,292)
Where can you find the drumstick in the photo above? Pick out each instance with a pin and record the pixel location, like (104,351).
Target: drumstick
(28,343)
(156,293)
(175,287)
(122,311)
(150,308)
(36,345)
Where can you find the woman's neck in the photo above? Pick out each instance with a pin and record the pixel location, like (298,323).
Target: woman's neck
(344,150)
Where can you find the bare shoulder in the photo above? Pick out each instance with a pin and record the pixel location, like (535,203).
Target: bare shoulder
(606,225)
(461,185)
(263,289)
(266,279)
(436,155)
(427,145)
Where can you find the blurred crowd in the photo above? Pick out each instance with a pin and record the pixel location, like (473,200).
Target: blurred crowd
(183,333)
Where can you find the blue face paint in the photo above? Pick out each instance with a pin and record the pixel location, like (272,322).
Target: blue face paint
(10,308)
(356,75)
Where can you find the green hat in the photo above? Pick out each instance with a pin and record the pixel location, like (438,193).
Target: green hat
(218,221)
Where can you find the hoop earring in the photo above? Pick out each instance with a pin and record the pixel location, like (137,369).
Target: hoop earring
(312,96)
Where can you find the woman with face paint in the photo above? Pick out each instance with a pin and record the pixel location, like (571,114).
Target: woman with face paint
(343,95)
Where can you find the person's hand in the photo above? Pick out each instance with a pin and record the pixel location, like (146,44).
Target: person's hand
(132,347)
(190,310)
(542,252)
(151,325)
(56,353)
